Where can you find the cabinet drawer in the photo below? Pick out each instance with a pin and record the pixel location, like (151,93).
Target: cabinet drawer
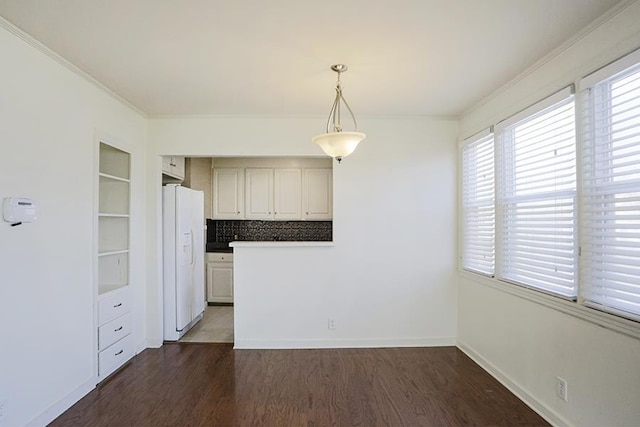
(219,257)
(113,306)
(114,356)
(113,331)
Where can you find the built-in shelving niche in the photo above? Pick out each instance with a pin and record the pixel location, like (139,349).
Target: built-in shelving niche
(113,219)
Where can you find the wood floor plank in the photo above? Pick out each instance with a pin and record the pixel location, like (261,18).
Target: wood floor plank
(212,384)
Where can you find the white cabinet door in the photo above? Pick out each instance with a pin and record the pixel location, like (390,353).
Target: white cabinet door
(166,164)
(228,193)
(259,193)
(317,194)
(173,166)
(178,167)
(287,194)
(220,281)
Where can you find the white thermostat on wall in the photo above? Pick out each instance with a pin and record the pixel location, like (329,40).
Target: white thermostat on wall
(18,209)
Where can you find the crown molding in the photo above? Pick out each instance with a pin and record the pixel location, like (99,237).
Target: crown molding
(297,116)
(42,48)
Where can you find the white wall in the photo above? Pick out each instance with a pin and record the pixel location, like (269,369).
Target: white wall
(48,117)
(390,278)
(524,343)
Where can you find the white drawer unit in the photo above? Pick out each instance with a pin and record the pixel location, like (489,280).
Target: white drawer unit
(114,356)
(113,331)
(114,305)
(219,257)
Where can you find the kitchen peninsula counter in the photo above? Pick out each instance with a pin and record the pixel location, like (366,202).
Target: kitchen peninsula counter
(278,244)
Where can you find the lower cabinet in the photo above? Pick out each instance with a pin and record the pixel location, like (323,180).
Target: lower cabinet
(115,346)
(219,277)
(114,356)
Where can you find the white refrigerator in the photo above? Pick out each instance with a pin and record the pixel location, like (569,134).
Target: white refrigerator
(183,259)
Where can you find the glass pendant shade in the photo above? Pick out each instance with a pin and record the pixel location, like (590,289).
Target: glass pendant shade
(339,144)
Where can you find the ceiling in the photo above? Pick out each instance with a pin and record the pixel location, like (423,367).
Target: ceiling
(251,57)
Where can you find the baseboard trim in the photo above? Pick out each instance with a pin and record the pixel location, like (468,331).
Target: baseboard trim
(63,404)
(153,343)
(543,410)
(346,343)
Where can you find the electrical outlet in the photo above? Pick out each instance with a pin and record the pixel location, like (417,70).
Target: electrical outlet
(561,389)
(3,409)
(331,323)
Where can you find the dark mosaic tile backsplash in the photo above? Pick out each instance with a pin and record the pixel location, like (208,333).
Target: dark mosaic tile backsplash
(224,231)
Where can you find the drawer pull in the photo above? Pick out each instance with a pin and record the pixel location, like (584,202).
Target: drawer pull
(119,329)
(119,353)
(117,305)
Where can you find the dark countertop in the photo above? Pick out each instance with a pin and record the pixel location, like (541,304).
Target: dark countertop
(219,247)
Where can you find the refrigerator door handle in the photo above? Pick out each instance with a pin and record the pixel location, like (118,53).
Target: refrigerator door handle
(193,254)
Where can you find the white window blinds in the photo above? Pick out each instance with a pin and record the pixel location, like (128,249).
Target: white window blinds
(610,264)
(537,197)
(478,202)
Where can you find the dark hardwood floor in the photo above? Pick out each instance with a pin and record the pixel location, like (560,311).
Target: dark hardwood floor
(212,384)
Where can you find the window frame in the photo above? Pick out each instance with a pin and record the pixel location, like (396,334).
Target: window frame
(483,137)
(505,142)
(592,91)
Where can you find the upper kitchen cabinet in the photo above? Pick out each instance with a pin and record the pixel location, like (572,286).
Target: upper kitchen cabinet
(282,189)
(173,166)
(317,194)
(287,194)
(259,193)
(228,193)
(273,193)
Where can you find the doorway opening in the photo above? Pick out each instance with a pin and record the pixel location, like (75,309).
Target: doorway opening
(216,326)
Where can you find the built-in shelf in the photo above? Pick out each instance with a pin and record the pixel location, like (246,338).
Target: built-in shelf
(113,233)
(107,177)
(113,218)
(114,162)
(113,298)
(124,251)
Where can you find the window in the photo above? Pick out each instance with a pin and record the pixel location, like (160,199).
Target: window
(478,204)
(565,218)
(610,262)
(537,197)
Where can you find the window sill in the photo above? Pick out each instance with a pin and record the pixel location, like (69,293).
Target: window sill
(575,309)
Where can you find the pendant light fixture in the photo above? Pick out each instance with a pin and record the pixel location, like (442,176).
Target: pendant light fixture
(336,143)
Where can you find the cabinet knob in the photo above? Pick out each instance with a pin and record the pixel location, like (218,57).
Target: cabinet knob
(238,212)
(119,329)
(307,213)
